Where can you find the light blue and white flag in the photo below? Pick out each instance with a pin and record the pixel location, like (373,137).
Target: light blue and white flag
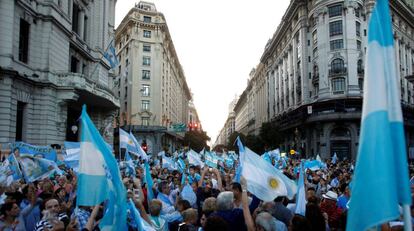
(14,167)
(99,178)
(211,160)
(126,141)
(137,221)
(168,163)
(262,178)
(46,152)
(141,153)
(241,160)
(313,165)
(130,168)
(110,55)
(181,165)
(275,154)
(194,158)
(148,180)
(71,159)
(380,182)
(34,168)
(266,156)
(301,195)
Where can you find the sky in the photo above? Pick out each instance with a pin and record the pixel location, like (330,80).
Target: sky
(218,42)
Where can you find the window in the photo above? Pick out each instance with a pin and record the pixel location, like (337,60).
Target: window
(85,28)
(75,18)
(359,46)
(357,12)
(335,11)
(146,48)
(74,62)
(145,90)
(360,68)
(24,41)
(361,83)
(337,66)
(147,34)
(20,121)
(145,105)
(358,29)
(147,19)
(337,44)
(146,61)
(145,121)
(146,74)
(335,28)
(338,85)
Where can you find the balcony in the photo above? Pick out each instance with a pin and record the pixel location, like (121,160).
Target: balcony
(337,71)
(96,92)
(315,78)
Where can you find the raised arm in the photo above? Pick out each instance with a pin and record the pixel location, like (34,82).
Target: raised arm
(219,182)
(245,203)
(203,174)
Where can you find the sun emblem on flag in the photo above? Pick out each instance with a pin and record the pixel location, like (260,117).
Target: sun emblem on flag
(130,142)
(273,183)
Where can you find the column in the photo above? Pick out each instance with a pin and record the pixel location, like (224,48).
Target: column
(352,55)
(81,23)
(6,36)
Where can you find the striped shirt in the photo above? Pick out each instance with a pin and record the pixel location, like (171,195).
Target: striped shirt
(45,223)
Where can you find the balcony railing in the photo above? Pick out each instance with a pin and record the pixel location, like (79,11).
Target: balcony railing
(338,71)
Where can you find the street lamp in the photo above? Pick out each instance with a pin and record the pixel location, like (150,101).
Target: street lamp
(74,129)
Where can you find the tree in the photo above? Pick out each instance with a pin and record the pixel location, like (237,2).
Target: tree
(231,145)
(196,140)
(255,143)
(270,135)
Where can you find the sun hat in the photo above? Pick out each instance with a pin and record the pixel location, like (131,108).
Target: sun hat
(330,195)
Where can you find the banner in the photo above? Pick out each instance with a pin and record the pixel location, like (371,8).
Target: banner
(46,152)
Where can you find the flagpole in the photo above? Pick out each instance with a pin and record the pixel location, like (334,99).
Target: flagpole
(407,218)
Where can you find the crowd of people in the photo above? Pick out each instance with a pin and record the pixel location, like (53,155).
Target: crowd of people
(199,198)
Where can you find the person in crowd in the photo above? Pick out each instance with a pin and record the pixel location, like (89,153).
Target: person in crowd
(315,217)
(266,222)
(280,212)
(329,206)
(12,218)
(52,219)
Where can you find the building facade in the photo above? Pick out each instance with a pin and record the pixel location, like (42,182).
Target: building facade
(153,91)
(50,65)
(314,74)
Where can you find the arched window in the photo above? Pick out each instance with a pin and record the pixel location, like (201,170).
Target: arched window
(337,66)
(360,68)
(338,85)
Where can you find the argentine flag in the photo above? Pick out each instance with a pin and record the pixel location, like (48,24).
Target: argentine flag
(110,55)
(194,158)
(381,180)
(99,179)
(137,147)
(125,141)
(301,194)
(262,178)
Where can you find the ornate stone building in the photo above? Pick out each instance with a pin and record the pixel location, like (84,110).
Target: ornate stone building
(153,91)
(314,73)
(50,65)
